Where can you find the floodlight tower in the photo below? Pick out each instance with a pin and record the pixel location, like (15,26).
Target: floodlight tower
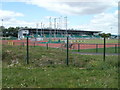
(50,26)
(2,21)
(2,27)
(54,27)
(62,24)
(37,29)
(57,28)
(66,24)
(41,29)
(59,22)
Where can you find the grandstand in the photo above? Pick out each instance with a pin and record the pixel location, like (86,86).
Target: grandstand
(57,33)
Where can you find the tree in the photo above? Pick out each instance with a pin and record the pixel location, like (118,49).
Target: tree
(10,32)
(105,35)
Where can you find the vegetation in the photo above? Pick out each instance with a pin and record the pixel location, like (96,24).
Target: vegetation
(105,35)
(10,32)
(47,69)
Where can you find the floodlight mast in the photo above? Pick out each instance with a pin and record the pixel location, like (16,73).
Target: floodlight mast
(66,25)
(2,27)
(37,29)
(54,27)
(50,26)
(59,22)
(41,29)
(59,25)
(2,21)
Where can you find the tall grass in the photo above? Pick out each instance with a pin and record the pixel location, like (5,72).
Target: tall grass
(47,69)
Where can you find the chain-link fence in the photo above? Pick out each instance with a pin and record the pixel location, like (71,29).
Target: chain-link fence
(62,51)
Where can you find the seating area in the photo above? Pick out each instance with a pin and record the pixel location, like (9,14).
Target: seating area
(71,36)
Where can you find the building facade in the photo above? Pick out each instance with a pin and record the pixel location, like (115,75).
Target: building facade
(34,33)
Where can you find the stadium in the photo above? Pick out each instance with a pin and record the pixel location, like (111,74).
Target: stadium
(56,33)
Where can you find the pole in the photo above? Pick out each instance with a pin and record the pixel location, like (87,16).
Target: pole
(2,28)
(104,49)
(41,29)
(50,26)
(78,47)
(36,28)
(59,23)
(67,60)
(115,48)
(66,25)
(27,61)
(23,44)
(34,44)
(54,27)
(47,46)
(2,22)
(96,48)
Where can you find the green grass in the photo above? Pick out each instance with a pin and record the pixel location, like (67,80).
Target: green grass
(47,69)
(59,77)
(96,41)
(99,50)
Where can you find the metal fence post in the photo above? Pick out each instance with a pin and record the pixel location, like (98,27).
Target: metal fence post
(104,49)
(115,48)
(34,44)
(67,58)
(27,60)
(78,47)
(96,48)
(47,46)
(23,44)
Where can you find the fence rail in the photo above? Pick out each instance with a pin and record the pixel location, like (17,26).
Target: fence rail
(80,47)
(41,52)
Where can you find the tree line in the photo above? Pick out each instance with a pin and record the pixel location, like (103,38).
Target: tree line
(9,32)
(13,32)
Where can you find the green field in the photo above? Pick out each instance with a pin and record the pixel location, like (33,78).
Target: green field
(95,41)
(99,50)
(89,41)
(48,69)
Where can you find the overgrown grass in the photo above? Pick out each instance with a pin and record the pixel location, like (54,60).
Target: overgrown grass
(48,69)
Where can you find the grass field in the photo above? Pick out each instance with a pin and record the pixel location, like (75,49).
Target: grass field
(94,41)
(99,50)
(47,69)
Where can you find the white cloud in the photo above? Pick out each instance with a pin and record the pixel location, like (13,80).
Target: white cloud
(76,7)
(18,23)
(106,22)
(60,0)
(9,19)
(5,14)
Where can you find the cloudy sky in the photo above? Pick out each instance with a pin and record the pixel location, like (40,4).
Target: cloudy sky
(94,15)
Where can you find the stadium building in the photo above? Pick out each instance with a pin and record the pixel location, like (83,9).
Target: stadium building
(57,33)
